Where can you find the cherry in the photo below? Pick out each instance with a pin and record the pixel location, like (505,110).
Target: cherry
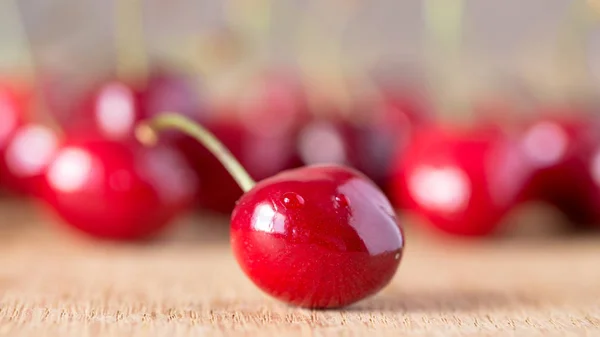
(389,130)
(117,190)
(27,155)
(262,155)
(462,181)
(13,110)
(316,236)
(274,103)
(328,141)
(561,147)
(114,107)
(369,144)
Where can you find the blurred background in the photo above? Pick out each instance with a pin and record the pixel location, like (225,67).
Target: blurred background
(461,111)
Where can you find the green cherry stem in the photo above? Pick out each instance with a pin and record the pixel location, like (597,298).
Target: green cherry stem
(147,133)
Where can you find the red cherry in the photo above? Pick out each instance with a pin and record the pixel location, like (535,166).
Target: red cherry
(27,155)
(462,181)
(262,156)
(316,237)
(389,131)
(561,150)
(328,141)
(13,110)
(272,105)
(117,190)
(369,146)
(114,107)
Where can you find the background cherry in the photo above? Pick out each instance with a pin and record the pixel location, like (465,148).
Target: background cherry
(389,129)
(14,108)
(316,237)
(28,153)
(259,128)
(560,147)
(262,155)
(115,189)
(461,181)
(114,107)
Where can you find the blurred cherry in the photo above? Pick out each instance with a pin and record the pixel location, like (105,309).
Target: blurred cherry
(115,189)
(114,107)
(388,131)
(327,141)
(462,181)
(261,154)
(273,103)
(369,143)
(561,147)
(259,127)
(26,156)
(14,107)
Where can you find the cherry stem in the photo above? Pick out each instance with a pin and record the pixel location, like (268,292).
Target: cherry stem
(147,133)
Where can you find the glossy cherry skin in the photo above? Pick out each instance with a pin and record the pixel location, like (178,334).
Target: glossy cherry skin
(117,190)
(561,148)
(317,237)
(28,153)
(261,155)
(462,182)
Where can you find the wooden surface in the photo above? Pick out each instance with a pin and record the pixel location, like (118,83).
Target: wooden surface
(54,282)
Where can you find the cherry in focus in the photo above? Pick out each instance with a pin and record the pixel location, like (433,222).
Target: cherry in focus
(117,190)
(316,236)
(461,181)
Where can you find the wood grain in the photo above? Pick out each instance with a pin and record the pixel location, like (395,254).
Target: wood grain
(56,283)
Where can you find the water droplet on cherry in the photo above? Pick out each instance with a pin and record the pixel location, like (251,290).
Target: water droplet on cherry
(292,200)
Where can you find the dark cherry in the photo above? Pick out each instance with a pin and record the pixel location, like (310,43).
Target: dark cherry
(462,181)
(315,237)
(117,190)
(388,131)
(561,147)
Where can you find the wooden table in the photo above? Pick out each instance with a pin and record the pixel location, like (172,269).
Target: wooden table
(54,282)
